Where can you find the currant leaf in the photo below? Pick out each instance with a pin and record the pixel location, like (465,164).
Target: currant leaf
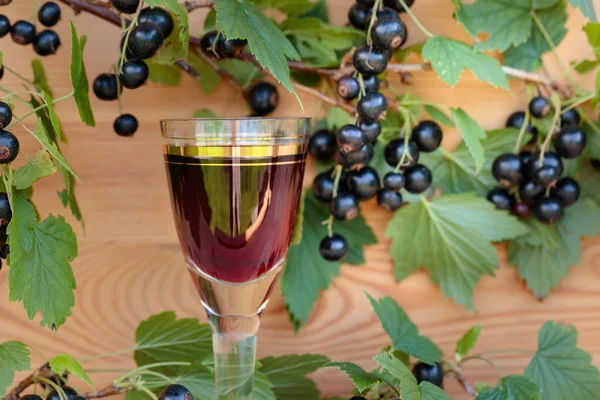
(79,78)
(14,356)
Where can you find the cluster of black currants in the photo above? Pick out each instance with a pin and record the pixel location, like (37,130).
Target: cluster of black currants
(24,33)
(532,181)
(143,41)
(262,97)
(171,392)
(9,150)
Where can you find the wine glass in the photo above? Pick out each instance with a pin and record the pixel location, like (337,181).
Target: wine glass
(235,188)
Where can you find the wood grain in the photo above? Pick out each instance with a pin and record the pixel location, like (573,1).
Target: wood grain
(130,267)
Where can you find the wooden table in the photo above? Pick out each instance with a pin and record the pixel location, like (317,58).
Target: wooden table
(129,265)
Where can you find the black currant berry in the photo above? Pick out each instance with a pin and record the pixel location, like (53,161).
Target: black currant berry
(549,210)
(550,158)
(322,186)
(525,157)
(4,25)
(31,397)
(387,12)
(517,119)
(22,32)
(175,392)
(389,200)
(567,190)
(231,48)
(545,175)
(9,147)
(501,198)
(371,129)
(429,373)
(126,6)
(570,142)
(333,248)
(105,86)
(369,61)
(159,17)
(522,209)
(322,145)
(4,252)
(125,125)
(539,107)
(530,190)
(5,114)
(135,74)
(388,33)
(49,14)
(144,41)
(427,135)
(348,87)
(46,43)
(357,159)
(570,118)
(393,153)
(418,179)
(349,138)
(507,169)
(207,43)
(69,393)
(372,107)
(3,233)
(394,181)
(263,98)
(363,183)
(5,210)
(359,16)
(371,83)
(344,207)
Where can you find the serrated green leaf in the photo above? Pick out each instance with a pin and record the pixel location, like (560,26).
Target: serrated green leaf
(175,47)
(512,387)
(198,379)
(468,341)
(41,276)
(40,166)
(79,79)
(439,115)
(243,72)
(362,379)
(287,375)
(586,7)
(64,362)
(23,221)
(306,272)
(54,121)
(169,75)
(67,196)
(209,78)
(43,136)
(243,20)
(14,356)
(262,387)
(163,337)
(560,369)
(584,66)
(429,391)
(451,238)
(472,135)
(592,31)
(319,10)
(288,7)
(40,79)
(450,57)
(403,332)
(409,389)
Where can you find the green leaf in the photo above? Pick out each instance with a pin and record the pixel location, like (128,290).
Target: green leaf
(402,54)
(54,121)
(507,22)
(40,79)
(43,136)
(271,48)
(169,75)
(198,379)
(543,263)
(243,72)
(262,387)
(429,391)
(512,387)
(592,31)
(403,332)
(306,272)
(40,166)
(439,115)
(23,221)
(79,78)
(64,362)
(450,237)
(319,10)
(454,172)
(450,57)
(209,78)
(584,66)
(409,388)
(362,379)
(67,196)
(175,47)
(560,368)
(287,375)
(472,135)
(586,7)
(163,337)
(288,7)
(336,118)
(528,55)
(468,341)
(40,275)
(14,356)
(204,113)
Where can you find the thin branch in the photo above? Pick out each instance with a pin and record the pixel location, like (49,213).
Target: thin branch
(462,380)
(334,102)
(109,390)
(43,371)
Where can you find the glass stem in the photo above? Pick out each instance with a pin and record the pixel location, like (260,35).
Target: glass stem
(234,346)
